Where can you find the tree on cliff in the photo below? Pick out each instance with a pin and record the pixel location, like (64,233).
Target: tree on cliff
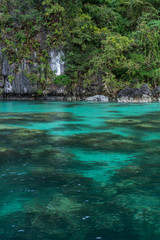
(118,40)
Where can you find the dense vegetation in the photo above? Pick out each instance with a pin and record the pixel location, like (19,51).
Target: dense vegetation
(118,40)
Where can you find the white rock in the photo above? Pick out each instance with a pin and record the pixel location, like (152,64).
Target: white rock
(98,98)
(144,99)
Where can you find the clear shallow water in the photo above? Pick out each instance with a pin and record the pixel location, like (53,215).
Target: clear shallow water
(79,171)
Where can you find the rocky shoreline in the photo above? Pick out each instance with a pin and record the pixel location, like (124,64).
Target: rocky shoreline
(127,95)
(15,84)
(139,95)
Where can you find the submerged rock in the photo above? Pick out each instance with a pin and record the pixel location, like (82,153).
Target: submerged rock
(98,98)
(2,149)
(122,121)
(62,204)
(147,126)
(5,127)
(107,142)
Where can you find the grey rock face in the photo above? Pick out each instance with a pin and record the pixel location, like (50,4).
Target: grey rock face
(146,90)
(19,84)
(156,92)
(130,93)
(135,95)
(5,68)
(98,98)
(1,83)
(143,99)
(15,82)
(56,90)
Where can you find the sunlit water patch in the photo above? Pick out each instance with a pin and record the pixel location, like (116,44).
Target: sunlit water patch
(79,171)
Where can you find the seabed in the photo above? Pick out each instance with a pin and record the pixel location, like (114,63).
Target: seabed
(79,171)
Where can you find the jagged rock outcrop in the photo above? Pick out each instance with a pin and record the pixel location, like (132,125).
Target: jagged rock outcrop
(156,93)
(135,95)
(14,81)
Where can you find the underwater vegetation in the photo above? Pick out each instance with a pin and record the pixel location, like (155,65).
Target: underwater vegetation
(81,186)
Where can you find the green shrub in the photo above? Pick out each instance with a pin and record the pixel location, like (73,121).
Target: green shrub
(62,80)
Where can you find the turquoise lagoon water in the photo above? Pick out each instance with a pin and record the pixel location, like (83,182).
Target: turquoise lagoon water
(79,171)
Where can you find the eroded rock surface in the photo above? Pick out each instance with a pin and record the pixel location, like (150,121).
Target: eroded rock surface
(135,95)
(98,98)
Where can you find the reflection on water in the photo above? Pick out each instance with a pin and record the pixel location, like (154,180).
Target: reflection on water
(79,171)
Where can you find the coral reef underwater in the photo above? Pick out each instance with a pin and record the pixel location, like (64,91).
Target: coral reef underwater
(97,180)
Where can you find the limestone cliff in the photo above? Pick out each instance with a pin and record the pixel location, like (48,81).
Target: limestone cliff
(14,78)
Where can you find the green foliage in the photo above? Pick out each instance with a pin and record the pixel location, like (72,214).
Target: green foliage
(41,74)
(62,80)
(40,92)
(10,78)
(33,77)
(117,40)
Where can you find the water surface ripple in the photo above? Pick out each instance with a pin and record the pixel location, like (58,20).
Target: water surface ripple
(79,171)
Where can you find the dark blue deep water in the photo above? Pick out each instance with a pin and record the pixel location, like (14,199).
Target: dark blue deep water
(79,171)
